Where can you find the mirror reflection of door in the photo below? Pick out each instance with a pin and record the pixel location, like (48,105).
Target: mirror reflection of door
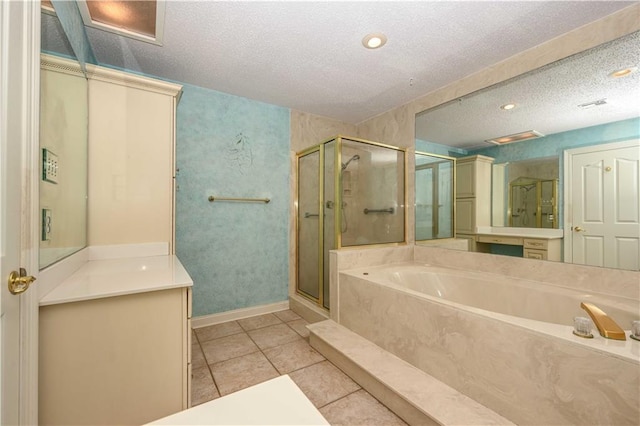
(604,214)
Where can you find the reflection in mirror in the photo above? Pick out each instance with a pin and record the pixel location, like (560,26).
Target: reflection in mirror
(525,193)
(434,189)
(586,100)
(63,147)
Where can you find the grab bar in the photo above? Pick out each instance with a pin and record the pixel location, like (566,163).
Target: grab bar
(248,200)
(308,215)
(389,210)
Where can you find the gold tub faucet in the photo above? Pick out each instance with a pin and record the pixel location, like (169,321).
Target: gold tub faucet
(604,323)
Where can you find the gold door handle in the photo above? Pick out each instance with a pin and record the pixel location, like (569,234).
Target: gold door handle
(578,229)
(19,282)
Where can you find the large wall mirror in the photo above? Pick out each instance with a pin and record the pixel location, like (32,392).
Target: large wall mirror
(527,124)
(63,145)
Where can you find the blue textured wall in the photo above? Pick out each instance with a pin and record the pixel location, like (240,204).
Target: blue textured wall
(236,253)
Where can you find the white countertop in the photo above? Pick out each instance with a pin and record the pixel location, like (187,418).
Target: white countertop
(540,233)
(116,277)
(275,402)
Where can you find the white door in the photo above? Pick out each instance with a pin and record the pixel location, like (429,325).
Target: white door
(19,70)
(604,226)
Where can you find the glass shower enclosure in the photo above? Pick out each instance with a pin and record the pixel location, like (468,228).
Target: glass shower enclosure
(351,192)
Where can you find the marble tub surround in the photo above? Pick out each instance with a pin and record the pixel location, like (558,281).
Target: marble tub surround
(616,282)
(356,258)
(515,368)
(415,396)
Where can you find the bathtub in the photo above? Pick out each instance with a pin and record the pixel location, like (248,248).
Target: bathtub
(506,343)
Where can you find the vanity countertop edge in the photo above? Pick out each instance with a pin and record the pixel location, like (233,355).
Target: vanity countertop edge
(103,278)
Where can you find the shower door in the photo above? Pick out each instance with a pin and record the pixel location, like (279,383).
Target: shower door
(309,226)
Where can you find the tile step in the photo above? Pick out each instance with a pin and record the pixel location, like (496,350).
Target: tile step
(415,396)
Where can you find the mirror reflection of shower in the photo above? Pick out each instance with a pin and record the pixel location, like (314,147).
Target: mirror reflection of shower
(533,203)
(346,191)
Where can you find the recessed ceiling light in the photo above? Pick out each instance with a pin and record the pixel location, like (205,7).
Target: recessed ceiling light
(374,41)
(623,72)
(507,107)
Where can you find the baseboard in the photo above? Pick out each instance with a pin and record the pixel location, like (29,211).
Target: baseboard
(205,320)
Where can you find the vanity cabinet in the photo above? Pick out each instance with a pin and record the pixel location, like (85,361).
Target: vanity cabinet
(543,249)
(473,193)
(115,360)
(131,158)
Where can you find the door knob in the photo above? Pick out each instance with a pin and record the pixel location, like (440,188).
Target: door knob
(19,282)
(578,229)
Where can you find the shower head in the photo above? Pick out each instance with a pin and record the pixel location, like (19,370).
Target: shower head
(355,157)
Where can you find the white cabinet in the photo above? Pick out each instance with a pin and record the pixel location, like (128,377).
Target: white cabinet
(131,158)
(473,193)
(543,249)
(115,360)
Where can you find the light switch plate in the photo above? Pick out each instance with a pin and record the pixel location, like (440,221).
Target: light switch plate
(49,166)
(46,224)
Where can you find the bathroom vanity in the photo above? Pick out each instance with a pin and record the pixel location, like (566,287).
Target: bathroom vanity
(115,318)
(115,343)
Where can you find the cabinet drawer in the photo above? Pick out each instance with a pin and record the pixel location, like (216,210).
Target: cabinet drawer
(536,244)
(513,241)
(534,254)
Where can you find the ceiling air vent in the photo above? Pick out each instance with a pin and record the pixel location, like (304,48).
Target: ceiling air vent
(518,137)
(593,103)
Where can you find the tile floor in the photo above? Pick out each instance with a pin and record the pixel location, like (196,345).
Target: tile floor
(237,354)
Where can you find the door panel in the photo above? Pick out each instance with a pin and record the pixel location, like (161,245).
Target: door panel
(19,95)
(606,207)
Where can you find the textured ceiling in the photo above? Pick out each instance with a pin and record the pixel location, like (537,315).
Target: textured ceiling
(308,55)
(547,99)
